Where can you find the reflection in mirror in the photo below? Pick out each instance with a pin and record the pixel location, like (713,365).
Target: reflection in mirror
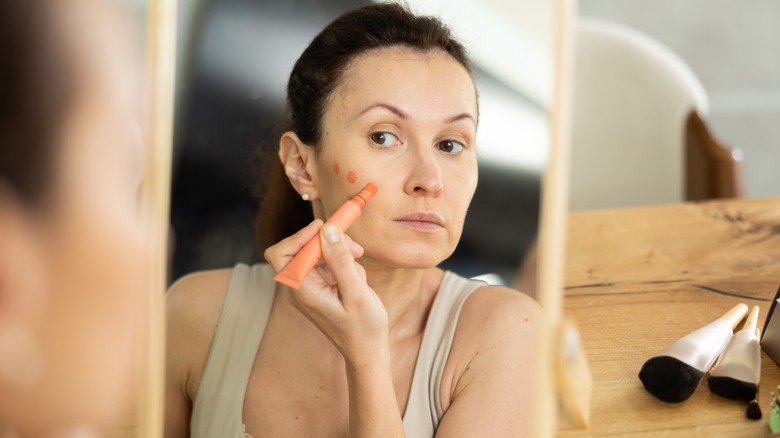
(397,116)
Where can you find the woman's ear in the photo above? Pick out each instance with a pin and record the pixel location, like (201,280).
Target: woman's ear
(297,159)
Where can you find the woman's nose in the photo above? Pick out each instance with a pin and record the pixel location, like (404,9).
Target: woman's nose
(425,178)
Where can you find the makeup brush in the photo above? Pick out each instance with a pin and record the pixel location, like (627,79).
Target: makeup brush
(754,409)
(674,373)
(738,370)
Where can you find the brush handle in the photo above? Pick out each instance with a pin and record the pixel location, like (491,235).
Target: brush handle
(734,316)
(752,320)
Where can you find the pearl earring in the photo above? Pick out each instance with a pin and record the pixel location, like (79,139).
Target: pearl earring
(305,196)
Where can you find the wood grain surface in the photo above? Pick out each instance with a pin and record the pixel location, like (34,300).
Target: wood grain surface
(639,279)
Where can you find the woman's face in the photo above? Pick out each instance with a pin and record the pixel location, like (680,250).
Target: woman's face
(89,249)
(405,120)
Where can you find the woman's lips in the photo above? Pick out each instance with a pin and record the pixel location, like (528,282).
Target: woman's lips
(422,221)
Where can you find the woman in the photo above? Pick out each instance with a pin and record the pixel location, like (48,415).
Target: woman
(72,250)
(389,345)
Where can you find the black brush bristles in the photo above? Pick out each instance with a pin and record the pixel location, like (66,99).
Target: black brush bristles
(669,379)
(732,389)
(754,410)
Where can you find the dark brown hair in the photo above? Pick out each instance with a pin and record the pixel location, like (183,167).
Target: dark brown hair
(315,76)
(33,95)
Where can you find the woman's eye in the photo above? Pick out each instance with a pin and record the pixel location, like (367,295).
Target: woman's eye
(450,146)
(384,139)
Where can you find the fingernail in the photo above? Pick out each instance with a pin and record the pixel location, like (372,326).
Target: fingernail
(332,233)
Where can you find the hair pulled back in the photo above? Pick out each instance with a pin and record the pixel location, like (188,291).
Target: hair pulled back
(315,76)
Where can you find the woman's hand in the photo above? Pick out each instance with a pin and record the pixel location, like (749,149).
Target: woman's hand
(337,299)
(334,295)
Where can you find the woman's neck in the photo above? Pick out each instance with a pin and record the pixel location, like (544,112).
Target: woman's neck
(407,295)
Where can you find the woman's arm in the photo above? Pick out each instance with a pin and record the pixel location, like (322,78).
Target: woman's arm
(373,407)
(337,299)
(494,358)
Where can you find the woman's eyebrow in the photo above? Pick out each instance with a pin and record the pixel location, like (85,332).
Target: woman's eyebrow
(463,116)
(386,106)
(398,112)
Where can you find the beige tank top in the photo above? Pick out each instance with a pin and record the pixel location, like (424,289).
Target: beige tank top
(219,402)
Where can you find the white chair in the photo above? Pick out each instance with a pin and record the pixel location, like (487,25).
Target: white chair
(631,105)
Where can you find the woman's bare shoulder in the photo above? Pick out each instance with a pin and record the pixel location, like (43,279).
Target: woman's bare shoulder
(194,305)
(496,340)
(198,295)
(493,314)
(193,308)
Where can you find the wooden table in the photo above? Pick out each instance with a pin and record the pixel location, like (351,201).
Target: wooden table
(639,279)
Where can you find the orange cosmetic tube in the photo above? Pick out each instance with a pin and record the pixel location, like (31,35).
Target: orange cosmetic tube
(296,269)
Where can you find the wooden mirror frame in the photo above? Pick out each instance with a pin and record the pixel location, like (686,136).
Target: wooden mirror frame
(155,198)
(557,402)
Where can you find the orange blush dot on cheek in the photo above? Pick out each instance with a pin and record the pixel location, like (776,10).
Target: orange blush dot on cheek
(336,168)
(351,177)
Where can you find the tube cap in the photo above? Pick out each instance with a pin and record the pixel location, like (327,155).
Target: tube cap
(368,191)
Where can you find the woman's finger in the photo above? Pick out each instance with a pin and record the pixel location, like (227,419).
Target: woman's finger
(339,260)
(354,247)
(281,253)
